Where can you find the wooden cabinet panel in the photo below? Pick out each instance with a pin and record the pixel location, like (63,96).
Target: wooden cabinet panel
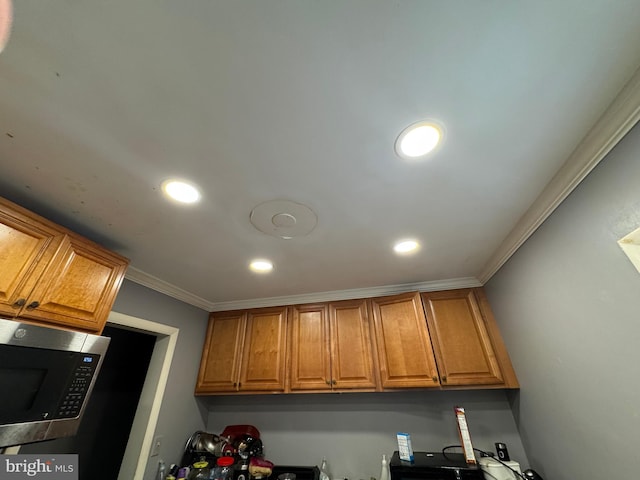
(220,363)
(404,348)
(244,351)
(51,275)
(331,347)
(310,359)
(26,247)
(499,348)
(461,342)
(263,357)
(352,353)
(78,288)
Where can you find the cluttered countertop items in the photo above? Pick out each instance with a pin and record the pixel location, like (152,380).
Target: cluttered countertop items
(236,454)
(471,464)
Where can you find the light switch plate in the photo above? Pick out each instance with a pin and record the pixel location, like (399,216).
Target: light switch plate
(630,245)
(157,443)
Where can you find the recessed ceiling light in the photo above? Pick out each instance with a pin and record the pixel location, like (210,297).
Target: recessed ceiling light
(404,247)
(181,191)
(418,139)
(261,266)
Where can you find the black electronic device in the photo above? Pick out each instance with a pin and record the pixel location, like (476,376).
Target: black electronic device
(502,452)
(434,466)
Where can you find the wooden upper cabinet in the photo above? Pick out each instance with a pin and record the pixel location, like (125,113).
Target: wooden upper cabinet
(222,353)
(310,358)
(404,348)
(352,352)
(26,247)
(364,345)
(331,347)
(264,352)
(244,351)
(464,337)
(78,288)
(51,275)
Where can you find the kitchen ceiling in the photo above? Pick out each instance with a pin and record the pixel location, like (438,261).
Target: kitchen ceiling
(300,102)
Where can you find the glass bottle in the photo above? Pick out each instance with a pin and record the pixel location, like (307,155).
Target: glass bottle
(324,470)
(384,474)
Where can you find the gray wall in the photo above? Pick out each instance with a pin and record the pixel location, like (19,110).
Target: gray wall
(568,304)
(354,430)
(180,414)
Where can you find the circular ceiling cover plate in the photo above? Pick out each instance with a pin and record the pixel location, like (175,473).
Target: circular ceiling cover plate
(284,219)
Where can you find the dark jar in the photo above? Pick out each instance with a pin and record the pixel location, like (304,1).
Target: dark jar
(223,469)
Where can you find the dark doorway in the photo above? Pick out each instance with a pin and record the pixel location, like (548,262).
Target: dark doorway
(103,434)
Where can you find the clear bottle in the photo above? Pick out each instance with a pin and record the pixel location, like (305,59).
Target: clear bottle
(324,470)
(384,473)
(161,470)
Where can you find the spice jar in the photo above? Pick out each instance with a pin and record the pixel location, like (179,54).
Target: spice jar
(200,471)
(223,469)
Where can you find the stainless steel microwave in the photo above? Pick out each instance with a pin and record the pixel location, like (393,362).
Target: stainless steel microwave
(46,378)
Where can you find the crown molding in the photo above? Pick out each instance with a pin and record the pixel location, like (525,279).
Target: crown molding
(154,283)
(611,127)
(138,276)
(336,295)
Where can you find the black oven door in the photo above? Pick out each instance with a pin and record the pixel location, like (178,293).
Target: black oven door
(35,383)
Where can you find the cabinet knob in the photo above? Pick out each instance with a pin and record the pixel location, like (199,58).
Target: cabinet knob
(34,304)
(444,379)
(435,379)
(333,382)
(20,302)
(328,382)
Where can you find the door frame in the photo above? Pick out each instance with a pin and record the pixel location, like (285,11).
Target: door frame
(145,421)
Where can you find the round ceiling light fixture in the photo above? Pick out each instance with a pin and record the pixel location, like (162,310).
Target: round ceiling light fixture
(261,266)
(284,219)
(418,139)
(180,191)
(404,247)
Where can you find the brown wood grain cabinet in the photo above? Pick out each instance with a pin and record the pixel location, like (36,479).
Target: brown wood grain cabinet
(310,347)
(222,353)
(443,340)
(405,354)
(468,348)
(244,352)
(331,348)
(51,275)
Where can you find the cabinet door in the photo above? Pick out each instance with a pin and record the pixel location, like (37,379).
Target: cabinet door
(352,364)
(78,287)
(310,362)
(263,357)
(26,247)
(460,339)
(404,348)
(221,354)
